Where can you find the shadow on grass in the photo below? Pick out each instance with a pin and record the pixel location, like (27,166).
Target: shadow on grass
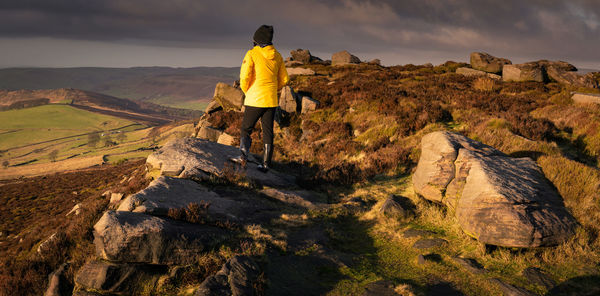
(581,285)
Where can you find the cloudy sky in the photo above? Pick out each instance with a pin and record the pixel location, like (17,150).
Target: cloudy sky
(186,33)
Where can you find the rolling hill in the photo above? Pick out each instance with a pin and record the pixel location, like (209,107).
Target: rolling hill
(175,87)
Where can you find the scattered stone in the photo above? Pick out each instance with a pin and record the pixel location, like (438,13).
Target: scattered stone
(226,139)
(392,208)
(426,243)
(115,277)
(212,107)
(510,290)
(74,193)
(238,276)
(300,71)
(420,259)
(301,55)
(201,159)
(586,98)
(539,277)
(488,63)
(116,198)
(472,72)
(559,65)
(309,104)
(209,133)
(44,247)
(301,198)
(106,194)
(497,199)
(135,237)
(470,265)
(288,101)
(343,58)
(380,288)
(523,72)
(76,210)
(410,233)
(229,97)
(58,285)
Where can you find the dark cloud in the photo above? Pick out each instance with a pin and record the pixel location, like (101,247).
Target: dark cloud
(535,28)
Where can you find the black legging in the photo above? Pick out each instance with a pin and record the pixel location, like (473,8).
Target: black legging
(251,115)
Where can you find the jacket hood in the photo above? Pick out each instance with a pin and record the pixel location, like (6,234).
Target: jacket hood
(268,52)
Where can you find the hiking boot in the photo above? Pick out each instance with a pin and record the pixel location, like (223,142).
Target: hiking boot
(266,164)
(242,159)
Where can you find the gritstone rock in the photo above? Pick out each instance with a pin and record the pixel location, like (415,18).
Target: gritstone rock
(523,72)
(209,133)
(213,106)
(229,97)
(114,277)
(237,277)
(472,72)
(309,104)
(488,63)
(226,139)
(571,78)
(299,71)
(343,58)
(136,237)
(497,199)
(288,101)
(201,159)
(58,285)
(586,98)
(301,55)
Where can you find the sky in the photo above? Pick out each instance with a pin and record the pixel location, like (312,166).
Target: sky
(189,33)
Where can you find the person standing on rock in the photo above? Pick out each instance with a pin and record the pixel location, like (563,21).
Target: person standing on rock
(262,75)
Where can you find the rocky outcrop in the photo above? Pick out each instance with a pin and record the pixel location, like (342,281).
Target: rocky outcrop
(472,72)
(570,78)
(229,97)
(523,72)
(201,159)
(209,133)
(226,139)
(586,98)
(343,58)
(237,277)
(497,199)
(135,237)
(302,55)
(559,65)
(58,285)
(488,63)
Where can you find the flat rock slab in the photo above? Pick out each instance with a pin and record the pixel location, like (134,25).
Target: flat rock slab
(426,243)
(539,277)
(237,277)
(497,199)
(510,290)
(201,159)
(586,98)
(141,238)
(470,265)
(410,233)
(302,198)
(113,277)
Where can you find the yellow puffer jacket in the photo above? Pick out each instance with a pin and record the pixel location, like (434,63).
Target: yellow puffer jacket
(262,75)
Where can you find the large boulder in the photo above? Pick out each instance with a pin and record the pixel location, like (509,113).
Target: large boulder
(523,72)
(485,62)
(141,238)
(115,277)
(571,78)
(203,160)
(237,277)
(497,199)
(288,101)
(343,58)
(209,133)
(229,97)
(301,55)
(560,65)
(309,104)
(168,193)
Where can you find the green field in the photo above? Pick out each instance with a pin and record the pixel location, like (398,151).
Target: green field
(44,123)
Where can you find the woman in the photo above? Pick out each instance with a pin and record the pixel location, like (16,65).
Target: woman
(262,75)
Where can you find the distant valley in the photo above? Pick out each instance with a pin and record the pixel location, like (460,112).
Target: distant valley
(190,88)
